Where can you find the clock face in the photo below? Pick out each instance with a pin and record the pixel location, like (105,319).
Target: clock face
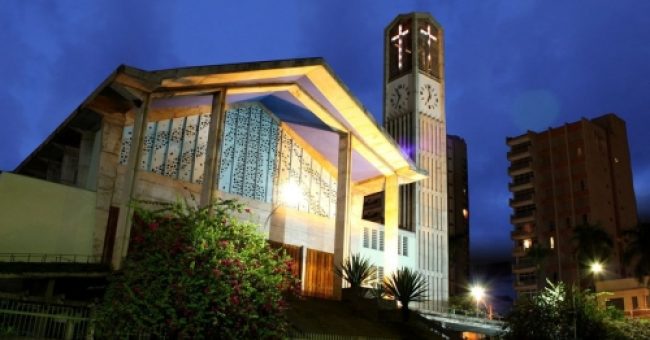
(399,98)
(429,98)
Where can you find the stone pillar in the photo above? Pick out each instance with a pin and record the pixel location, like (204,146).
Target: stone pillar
(124,220)
(213,148)
(391,221)
(342,223)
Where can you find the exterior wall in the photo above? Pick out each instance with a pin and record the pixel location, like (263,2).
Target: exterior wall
(628,290)
(576,174)
(458,213)
(37,216)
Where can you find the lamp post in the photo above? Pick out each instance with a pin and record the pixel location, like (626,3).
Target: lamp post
(477,293)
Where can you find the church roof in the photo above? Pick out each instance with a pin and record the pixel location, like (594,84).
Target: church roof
(304,93)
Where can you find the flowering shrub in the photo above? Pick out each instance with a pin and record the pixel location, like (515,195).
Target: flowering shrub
(195,274)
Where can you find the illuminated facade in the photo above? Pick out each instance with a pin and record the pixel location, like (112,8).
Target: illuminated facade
(245,131)
(414,114)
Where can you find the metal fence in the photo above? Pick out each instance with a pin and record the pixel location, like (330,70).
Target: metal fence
(48,258)
(44,321)
(319,336)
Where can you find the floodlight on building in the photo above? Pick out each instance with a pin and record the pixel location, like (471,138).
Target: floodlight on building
(290,194)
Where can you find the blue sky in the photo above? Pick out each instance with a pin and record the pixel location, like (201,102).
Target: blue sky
(510,66)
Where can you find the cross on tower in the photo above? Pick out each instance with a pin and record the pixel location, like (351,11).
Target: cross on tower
(398,37)
(430,37)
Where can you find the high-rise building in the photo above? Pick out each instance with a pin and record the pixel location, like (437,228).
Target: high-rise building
(458,212)
(414,115)
(575,174)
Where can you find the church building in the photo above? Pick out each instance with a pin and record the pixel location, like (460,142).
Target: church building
(286,138)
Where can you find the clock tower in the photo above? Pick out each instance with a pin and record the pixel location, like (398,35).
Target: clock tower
(414,115)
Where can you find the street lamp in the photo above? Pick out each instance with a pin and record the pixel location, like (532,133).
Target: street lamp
(596,268)
(477,293)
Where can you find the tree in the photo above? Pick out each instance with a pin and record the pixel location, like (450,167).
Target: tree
(637,251)
(592,243)
(550,315)
(406,286)
(197,273)
(537,255)
(357,271)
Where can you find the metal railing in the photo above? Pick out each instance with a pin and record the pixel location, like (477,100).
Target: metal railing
(48,258)
(38,320)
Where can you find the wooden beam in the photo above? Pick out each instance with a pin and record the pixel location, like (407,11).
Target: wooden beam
(213,148)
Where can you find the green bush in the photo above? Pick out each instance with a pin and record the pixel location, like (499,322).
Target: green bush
(197,273)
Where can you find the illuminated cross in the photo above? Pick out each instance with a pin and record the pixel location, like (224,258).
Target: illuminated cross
(398,37)
(430,37)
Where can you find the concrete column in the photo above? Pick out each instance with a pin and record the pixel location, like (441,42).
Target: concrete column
(213,151)
(391,221)
(342,223)
(124,220)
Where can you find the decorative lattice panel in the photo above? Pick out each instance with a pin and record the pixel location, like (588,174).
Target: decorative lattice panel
(257,157)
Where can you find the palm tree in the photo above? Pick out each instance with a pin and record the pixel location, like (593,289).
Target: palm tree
(637,251)
(592,243)
(357,271)
(406,286)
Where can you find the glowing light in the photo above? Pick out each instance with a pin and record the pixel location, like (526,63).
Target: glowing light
(477,292)
(398,38)
(465,213)
(291,193)
(430,37)
(527,243)
(551,242)
(596,267)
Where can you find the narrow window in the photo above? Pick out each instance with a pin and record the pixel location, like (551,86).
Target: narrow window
(381,240)
(374,239)
(405,246)
(551,242)
(365,238)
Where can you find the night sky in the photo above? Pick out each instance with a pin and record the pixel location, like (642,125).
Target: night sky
(510,66)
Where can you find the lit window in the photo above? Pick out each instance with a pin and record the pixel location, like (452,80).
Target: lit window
(465,213)
(527,243)
(615,159)
(551,242)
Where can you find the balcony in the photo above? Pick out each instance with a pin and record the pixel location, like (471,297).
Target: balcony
(520,167)
(519,152)
(522,199)
(521,185)
(518,251)
(522,217)
(521,234)
(515,141)
(524,265)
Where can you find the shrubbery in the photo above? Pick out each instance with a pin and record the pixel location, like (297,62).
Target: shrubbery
(195,274)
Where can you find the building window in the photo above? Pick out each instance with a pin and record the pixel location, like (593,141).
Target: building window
(465,213)
(616,160)
(635,303)
(366,238)
(374,239)
(381,240)
(527,243)
(405,246)
(399,245)
(551,242)
(579,151)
